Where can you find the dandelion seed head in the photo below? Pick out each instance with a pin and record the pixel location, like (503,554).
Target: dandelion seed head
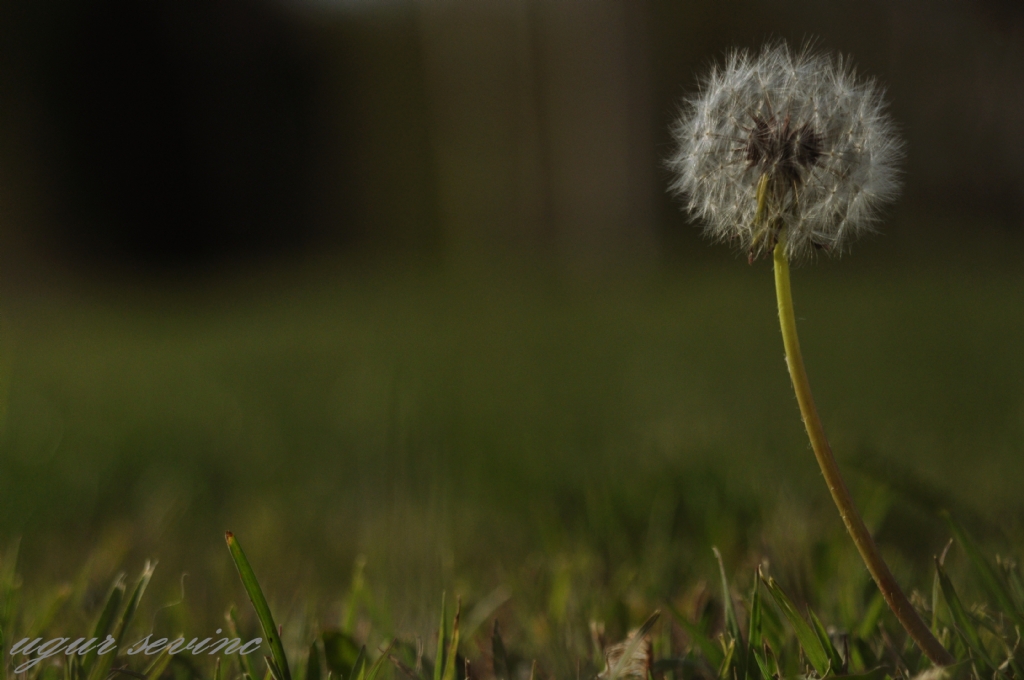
(804,128)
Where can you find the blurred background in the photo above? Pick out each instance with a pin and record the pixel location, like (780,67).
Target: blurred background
(401,279)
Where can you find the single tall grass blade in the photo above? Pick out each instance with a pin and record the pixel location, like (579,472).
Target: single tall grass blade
(936,589)
(243,661)
(259,603)
(809,641)
(761,660)
(767,662)
(451,662)
(754,633)
(442,638)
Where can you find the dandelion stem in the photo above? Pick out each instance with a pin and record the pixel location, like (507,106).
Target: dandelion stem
(891,591)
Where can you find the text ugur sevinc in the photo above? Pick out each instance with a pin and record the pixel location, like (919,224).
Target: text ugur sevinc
(146,646)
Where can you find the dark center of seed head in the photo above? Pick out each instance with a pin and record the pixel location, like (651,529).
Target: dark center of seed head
(782,150)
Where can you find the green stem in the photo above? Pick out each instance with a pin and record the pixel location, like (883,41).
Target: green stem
(891,591)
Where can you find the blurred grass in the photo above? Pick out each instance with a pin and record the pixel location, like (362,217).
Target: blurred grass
(545,435)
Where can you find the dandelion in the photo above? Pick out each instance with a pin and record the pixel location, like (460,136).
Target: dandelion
(787,153)
(790,140)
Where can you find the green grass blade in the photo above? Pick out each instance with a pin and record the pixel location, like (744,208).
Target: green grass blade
(379,663)
(731,624)
(133,601)
(936,589)
(442,638)
(754,632)
(989,577)
(761,660)
(259,603)
(815,653)
(965,626)
(356,594)
(313,663)
(451,662)
(273,670)
(71,668)
(835,658)
(102,667)
(767,662)
(359,666)
(157,667)
(243,661)
(105,622)
(726,670)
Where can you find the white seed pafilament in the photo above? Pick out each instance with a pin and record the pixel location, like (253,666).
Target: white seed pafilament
(790,140)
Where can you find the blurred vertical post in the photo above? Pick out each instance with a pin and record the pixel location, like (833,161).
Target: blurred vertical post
(540,125)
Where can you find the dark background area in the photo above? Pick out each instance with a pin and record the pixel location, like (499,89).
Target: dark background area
(177,137)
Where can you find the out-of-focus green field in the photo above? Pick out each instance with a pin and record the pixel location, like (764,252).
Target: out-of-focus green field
(576,443)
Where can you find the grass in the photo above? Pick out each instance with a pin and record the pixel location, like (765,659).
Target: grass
(560,454)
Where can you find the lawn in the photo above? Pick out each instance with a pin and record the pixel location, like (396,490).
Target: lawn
(555,450)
